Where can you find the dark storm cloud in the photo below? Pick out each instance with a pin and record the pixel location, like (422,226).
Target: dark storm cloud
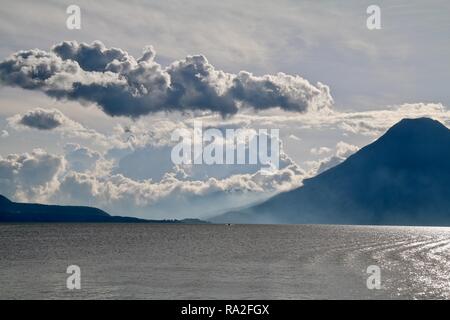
(42,119)
(124,86)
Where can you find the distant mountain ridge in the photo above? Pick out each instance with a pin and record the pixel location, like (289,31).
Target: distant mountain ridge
(30,212)
(403,178)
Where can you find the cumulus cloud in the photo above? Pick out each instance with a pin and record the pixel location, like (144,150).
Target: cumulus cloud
(171,194)
(42,119)
(122,85)
(84,177)
(4,134)
(169,197)
(342,151)
(81,159)
(30,176)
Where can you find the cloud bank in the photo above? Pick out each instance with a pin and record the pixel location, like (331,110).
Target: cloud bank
(133,173)
(83,176)
(122,85)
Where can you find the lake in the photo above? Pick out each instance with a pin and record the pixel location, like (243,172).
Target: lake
(148,261)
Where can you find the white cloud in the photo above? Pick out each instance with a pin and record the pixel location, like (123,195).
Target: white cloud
(320,151)
(344,150)
(82,159)
(30,176)
(85,177)
(341,152)
(119,194)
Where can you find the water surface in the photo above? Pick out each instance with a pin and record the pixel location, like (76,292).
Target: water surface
(143,261)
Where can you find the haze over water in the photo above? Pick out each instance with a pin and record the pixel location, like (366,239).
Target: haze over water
(146,261)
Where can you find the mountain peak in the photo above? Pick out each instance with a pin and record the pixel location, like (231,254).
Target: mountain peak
(401,178)
(415,132)
(418,125)
(417,121)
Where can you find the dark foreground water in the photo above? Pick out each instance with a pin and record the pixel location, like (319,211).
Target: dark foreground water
(223,262)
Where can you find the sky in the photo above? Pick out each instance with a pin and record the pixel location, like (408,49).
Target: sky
(86,115)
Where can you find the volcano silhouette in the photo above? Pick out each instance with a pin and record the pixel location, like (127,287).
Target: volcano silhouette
(403,178)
